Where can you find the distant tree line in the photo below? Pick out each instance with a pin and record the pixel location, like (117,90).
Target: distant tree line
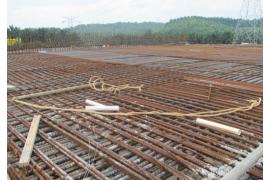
(182,30)
(158,38)
(43,37)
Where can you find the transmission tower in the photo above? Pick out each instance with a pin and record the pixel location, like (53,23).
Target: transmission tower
(249,26)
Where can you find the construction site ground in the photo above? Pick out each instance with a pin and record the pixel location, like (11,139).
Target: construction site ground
(191,78)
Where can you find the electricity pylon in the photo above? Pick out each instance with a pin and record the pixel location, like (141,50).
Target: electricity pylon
(70,21)
(249,27)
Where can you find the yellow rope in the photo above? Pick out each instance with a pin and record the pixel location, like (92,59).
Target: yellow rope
(96,83)
(211,113)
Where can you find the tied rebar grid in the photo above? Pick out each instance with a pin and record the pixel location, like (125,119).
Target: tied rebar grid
(78,145)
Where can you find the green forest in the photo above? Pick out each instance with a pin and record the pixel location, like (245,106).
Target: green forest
(194,29)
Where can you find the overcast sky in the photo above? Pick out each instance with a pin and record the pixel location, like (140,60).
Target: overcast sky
(50,13)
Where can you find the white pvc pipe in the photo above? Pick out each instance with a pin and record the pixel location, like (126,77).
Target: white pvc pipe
(10,87)
(243,166)
(218,126)
(102,108)
(93,103)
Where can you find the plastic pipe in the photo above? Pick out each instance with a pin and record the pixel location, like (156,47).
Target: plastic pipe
(243,166)
(10,87)
(102,108)
(218,126)
(93,103)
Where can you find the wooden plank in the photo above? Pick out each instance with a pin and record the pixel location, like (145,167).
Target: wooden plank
(29,143)
(53,91)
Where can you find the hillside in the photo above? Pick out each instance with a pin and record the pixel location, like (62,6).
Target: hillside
(192,24)
(197,24)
